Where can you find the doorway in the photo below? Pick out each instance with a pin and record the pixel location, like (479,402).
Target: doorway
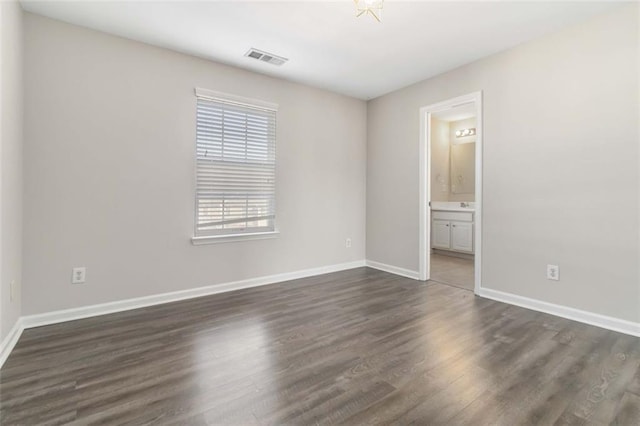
(451,192)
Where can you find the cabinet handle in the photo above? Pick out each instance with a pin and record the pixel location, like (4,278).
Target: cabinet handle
(453,226)
(447,225)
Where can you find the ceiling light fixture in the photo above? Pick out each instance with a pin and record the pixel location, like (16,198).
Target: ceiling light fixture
(369,7)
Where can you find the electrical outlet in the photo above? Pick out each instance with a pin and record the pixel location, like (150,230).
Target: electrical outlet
(79,275)
(348,243)
(553,272)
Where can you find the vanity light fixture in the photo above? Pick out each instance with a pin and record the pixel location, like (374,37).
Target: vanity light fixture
(369,7)
(465,132)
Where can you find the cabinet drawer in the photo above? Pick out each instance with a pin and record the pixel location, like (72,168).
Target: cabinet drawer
(459,216)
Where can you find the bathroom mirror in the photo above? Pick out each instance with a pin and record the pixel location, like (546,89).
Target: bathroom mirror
(463,168)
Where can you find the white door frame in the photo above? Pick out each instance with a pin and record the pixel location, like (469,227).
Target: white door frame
(425,184)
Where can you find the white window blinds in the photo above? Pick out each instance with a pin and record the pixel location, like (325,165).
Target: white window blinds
(235,165)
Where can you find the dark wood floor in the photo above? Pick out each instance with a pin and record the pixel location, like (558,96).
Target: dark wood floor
(354,347)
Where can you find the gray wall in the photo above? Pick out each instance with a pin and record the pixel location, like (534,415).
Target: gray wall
(109,171)
(10,163)
(560,166)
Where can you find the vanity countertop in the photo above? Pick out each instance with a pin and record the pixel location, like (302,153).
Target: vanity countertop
(451,206)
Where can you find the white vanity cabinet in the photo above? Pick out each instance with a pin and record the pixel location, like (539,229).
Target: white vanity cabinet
(441,234)
(452,231)
(462,236)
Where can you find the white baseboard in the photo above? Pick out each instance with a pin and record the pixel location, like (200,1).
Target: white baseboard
(415,275)
(55,317)
(9,342)
(603,321)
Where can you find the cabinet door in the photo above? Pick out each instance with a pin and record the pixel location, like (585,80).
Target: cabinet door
(462,236)
(441,237)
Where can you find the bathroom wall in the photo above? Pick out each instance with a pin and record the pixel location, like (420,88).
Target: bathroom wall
(469,169)
(442,136)
(439,160)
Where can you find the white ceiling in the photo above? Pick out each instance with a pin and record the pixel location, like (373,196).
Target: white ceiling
(326,44)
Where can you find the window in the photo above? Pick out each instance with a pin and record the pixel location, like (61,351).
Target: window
(235,166)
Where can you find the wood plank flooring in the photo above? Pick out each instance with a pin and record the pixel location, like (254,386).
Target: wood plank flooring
(453,271)
(353,347)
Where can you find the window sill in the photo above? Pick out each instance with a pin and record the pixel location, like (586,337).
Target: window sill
(215,239)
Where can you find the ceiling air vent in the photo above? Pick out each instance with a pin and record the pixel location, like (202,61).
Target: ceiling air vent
(269,58)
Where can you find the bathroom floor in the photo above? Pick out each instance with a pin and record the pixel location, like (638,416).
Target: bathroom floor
(452,270)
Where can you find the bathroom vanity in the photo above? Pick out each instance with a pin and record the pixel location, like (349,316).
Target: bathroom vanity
(452,226)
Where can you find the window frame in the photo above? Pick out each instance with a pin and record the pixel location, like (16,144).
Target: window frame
(232,235)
